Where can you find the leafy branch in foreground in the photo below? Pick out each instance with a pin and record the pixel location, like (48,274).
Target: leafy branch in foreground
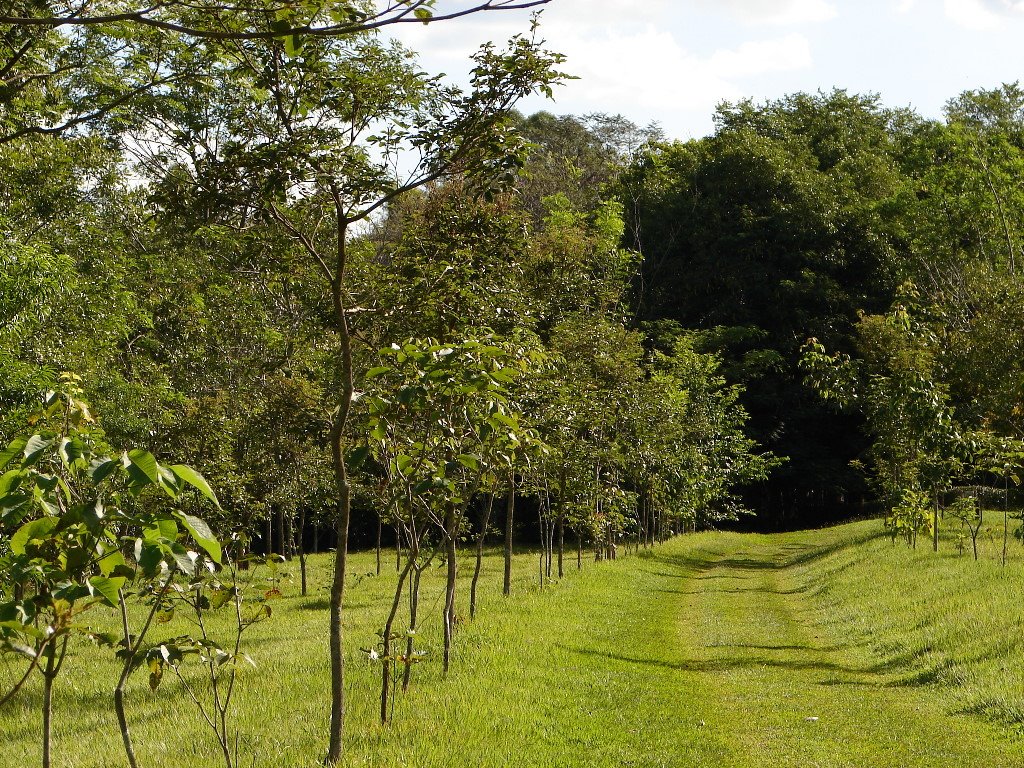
(69,511)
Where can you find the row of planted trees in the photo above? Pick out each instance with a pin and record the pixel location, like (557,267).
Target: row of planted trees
(347,295)
(927,463)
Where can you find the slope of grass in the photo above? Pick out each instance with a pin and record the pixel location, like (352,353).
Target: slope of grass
(714,650)
(930,617)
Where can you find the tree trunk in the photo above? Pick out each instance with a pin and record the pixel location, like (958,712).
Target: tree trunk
(510,505)
(54,661)
(479,555)
(282,543)
(47,707)
(1006,514)
(344,509)
(380,525)
(410,642)
(302,549)
(450,525)
(387,661)
(561,544)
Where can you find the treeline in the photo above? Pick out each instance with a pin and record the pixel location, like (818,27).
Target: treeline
(891,241)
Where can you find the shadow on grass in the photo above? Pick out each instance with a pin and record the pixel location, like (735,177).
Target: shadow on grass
(699,562)
(729,663)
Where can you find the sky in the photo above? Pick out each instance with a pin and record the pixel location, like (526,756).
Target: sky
(673,61)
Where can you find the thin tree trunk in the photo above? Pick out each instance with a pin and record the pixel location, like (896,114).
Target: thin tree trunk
(449,602)
(386,656)
(344,509)
(302,549)
(510,505)
(279,524)
(561,544)
(50,672)
(479,555)
(380,525)
(414,605)
(131,649)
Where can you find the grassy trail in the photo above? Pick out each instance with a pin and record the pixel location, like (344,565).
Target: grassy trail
(787,694)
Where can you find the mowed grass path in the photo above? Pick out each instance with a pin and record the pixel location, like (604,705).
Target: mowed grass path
(714,650)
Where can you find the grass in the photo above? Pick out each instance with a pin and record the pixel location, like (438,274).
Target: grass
(714,650)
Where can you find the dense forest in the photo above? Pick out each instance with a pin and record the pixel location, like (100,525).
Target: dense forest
(366,309)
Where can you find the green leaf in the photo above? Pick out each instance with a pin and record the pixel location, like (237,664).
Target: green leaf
(292,45)
(470,462)
(110,561)
(100,469)
(7,481)
(203,535)
(31,531)
(184,559)
(164,528)
(358,456)
(142,467)
(196,480)
(148,556)
(16,446)
(71,449)
(107,587)
(156,671)
(34,449)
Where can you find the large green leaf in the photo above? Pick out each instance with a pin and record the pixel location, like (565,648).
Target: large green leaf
(7,481)
(164,528)
(15,448)
(35,529)
(107,587)
(110,561)
(100,469)
(184,559)
(71,449)
(196,480)
(142,467)
(34,448)
(202,534)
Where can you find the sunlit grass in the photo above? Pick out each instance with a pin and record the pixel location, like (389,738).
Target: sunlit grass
(712,651)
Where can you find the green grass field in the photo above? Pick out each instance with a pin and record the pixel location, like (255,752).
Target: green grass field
(819,648)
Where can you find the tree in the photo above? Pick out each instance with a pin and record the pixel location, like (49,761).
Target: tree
(306,147)
(782,225)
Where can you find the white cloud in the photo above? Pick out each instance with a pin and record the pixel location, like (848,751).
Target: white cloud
(754,58)
(780,12)
(632,57)
(983,14)
(1009,7)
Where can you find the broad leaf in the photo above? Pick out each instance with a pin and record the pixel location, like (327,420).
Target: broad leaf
(203,535)
(34,449)
(14,449)
(142,467)
(33,530)
(107,587)
(196,480)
